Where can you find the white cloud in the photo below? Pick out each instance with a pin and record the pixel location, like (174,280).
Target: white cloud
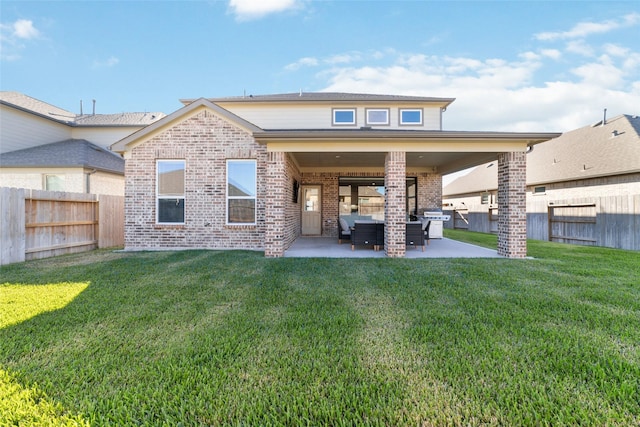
(498,94)
(302,62)
(579,47)
(112,61)
(584,29)
(13,36)
(551,53)
(24,29)
(246,10)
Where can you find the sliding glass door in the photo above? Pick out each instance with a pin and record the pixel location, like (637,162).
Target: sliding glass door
(363,198)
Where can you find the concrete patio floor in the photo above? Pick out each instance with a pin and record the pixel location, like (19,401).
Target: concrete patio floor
(328,247)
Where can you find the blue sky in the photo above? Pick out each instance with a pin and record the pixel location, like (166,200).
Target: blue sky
(511,65)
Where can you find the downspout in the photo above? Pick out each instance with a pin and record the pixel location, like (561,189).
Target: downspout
(88,183)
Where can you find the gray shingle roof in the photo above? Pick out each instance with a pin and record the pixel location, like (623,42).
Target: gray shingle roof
(588,152)
(40,108)
(24,102)
(119,119)
(68,153)
(328,97)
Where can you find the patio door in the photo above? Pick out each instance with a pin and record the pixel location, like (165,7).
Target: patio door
(311,212)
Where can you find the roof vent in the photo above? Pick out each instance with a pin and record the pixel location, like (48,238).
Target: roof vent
(614,133)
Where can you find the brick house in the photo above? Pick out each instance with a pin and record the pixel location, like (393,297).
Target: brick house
(256,172)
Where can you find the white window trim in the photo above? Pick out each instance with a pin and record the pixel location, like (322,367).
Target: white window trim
(158,196)
(255,198)
(374,123)
(337,110)
(539,193)
(403,123)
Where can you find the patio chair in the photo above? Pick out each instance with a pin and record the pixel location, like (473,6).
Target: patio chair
(426,233)
(415,234)
(364,233)
(344,231)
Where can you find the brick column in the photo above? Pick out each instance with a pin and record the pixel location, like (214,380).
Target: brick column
(512,205)
(394,205)
(429,192)
(275,204)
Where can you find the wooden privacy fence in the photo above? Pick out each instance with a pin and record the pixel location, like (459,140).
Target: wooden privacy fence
(39,224)
(609,221)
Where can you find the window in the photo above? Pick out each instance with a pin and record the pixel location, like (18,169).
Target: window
(344,116)
(539,190)
(54,182)
(410,116)
(484,198)
(241,191)
(377,116)
(170,191)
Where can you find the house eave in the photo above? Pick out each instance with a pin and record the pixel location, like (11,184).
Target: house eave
(267,136)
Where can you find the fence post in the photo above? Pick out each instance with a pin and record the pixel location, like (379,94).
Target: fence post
(12,222)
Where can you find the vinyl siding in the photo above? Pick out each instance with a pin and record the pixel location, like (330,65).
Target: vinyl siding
(22,130)
(103,137)
(320,117)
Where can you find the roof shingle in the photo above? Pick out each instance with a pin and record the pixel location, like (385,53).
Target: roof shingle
(68,153)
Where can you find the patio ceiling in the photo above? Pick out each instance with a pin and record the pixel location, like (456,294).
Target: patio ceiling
(365,149)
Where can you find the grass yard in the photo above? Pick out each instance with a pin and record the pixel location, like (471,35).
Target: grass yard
(232,338)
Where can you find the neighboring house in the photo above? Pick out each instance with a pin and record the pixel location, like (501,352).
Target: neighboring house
(257,172)
(73,165)
(54,133)
(596,166)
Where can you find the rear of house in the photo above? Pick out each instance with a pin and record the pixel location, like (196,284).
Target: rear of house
(257,172)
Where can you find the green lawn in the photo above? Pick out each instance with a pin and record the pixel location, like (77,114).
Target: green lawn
(232,338)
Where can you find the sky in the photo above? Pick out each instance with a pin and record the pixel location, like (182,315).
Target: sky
(527,66)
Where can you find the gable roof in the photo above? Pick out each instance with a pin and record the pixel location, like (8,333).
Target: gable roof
(68,153)
(588,152)
(39,108)
(149,131)
(332,97)
(26,103)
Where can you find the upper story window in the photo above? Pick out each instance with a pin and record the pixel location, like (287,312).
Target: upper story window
(344,116)
(170,191)
(241,191)
(377,116)
(539,190)
(410,116)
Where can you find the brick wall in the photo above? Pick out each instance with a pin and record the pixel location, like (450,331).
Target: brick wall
(394,205)
(205,142)
(512,205)
(283,216)
(429,193)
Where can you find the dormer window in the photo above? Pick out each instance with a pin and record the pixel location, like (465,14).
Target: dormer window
(411,116)
(344,116)
(377,116)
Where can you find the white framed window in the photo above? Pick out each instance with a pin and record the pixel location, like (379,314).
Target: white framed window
(343,116)
(377,116)
(53,182)
(170,191)
(411,116)
(241,191)
(539,190)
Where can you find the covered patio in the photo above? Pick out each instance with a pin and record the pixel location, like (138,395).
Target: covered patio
(328,247)
(327,158)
